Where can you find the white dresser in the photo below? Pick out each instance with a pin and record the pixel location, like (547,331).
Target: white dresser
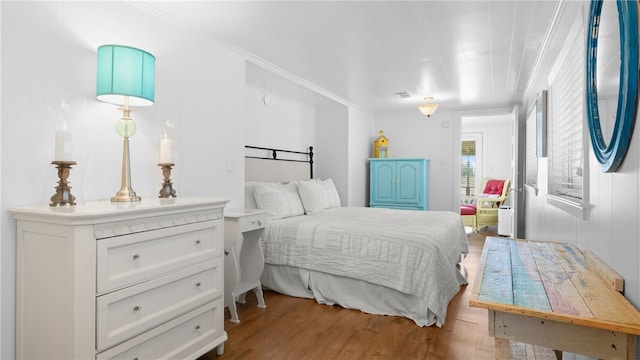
(109,280)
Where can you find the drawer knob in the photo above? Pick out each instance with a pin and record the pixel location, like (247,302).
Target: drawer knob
(136,309)
(198,284)
(197,242)
(196,328)
(135,257)
(259,223)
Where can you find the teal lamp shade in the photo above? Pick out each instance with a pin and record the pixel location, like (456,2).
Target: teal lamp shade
(124,71)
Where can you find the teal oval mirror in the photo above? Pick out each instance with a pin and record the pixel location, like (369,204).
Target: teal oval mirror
(611,153)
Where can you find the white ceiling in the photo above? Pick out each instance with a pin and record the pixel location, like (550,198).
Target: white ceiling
(466,54)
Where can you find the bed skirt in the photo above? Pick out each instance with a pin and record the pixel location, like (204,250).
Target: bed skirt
(348,293)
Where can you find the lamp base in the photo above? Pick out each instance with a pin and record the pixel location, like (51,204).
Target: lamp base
(126,196)
(126,193)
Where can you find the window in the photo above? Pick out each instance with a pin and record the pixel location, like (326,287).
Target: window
(470,166)
(566,102)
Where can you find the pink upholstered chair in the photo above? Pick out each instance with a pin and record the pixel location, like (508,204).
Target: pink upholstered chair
(468,213)
(485,211)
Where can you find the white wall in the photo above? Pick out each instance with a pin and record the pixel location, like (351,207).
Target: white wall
(339,133)
(283,123)
(299,116)
(411,134)
(361,131)
(332,150)
(50,48)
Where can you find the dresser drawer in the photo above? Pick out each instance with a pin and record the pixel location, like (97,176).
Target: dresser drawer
(251,222)
(129,259)
(186,337)
(126,313)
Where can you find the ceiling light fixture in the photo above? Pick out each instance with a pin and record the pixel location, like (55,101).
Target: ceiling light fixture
(428,108)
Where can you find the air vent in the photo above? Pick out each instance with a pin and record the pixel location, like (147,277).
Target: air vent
(403,95)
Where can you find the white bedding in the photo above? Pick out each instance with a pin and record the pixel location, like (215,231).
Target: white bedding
(412,252)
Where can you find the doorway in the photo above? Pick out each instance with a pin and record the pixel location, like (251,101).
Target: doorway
(492,134)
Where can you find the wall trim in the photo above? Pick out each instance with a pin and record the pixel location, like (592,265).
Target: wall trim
(543,48)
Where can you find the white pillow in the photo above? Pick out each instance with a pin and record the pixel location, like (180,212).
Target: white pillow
(311,195)
(330,194)
(281,200)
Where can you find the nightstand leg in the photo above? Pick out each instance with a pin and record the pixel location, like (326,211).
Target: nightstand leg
(259,296)
(233,309)
(242,298)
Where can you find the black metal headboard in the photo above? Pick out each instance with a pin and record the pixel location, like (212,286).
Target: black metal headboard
(276,152)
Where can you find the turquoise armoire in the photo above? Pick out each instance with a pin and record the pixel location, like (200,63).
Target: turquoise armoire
(399,183)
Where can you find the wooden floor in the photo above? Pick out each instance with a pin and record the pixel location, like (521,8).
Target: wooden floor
(294,328)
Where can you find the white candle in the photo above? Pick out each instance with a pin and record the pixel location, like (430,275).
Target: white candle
(63,146)
(166,151)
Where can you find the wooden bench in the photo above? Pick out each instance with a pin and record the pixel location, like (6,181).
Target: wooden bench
(554,296)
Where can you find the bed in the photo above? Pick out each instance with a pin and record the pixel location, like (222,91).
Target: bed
(380,261)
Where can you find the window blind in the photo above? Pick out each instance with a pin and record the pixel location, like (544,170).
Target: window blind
(567,119)
(467,169)
(531,161)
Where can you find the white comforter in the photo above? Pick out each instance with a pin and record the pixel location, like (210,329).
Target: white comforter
(414,252)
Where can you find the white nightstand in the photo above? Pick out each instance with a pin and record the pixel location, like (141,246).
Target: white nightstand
(244,261)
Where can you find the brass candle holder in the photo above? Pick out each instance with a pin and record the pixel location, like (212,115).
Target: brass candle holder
(167,189)
(63,194)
